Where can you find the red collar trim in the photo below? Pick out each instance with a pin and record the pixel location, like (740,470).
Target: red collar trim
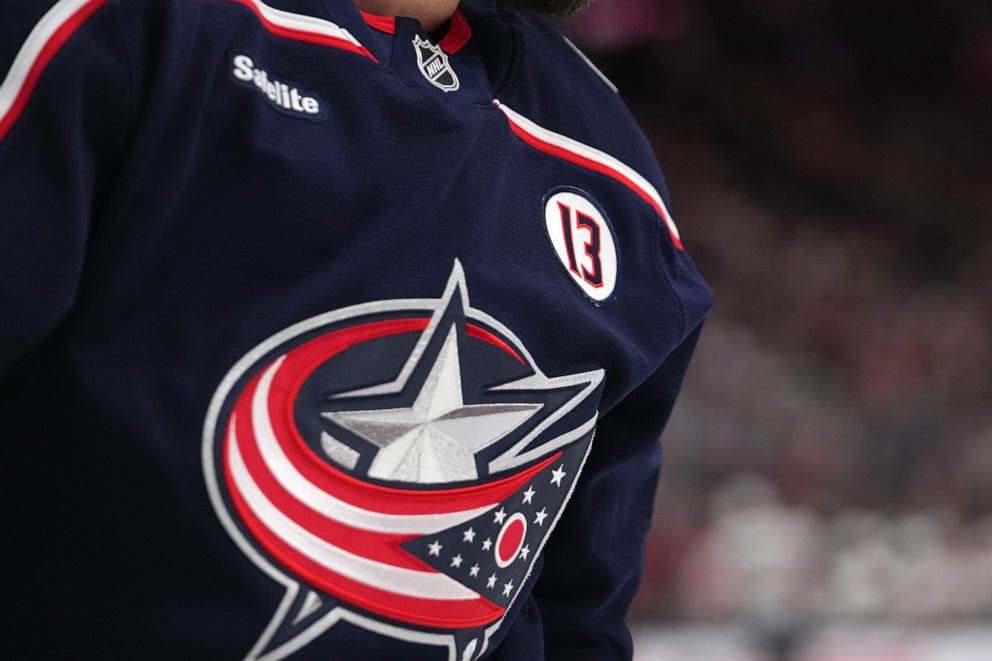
(459,31)
(385,24)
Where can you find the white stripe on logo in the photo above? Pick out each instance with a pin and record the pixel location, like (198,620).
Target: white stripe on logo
(321,501)
(410,582)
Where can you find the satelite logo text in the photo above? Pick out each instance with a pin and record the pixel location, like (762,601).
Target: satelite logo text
(396,465)
(286,97)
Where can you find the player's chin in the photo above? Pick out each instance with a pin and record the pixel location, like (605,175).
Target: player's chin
(546,7)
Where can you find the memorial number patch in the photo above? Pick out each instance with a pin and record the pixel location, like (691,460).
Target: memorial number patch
(583,241)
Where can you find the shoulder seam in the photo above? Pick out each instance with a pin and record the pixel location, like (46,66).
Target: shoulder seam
(589,63)
(130,108)
(670,285)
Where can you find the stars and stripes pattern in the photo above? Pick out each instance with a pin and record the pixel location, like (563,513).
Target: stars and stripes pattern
(492,553)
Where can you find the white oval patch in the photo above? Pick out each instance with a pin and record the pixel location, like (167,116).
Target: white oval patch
(583,241)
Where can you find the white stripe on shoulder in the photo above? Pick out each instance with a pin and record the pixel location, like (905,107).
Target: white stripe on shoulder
(591,158)
(585,58)
(303,23)
(31,49)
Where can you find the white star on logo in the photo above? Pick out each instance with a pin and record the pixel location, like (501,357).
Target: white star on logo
(500,516)
(541,515)
(524,552)
(487,544)
(507,588)
(529,494)
(435,548)
(557,475)
(491,581)
(473,570)
(435,439)
(457,561)
(468,535)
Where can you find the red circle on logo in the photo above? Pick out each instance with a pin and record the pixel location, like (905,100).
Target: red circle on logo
(510,539)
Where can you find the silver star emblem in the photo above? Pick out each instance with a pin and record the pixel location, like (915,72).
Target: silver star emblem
(434,549)
(473,570)
(487,544)
(557,475)
(468,535)
(457,561)
(524,552)
(541,516)
(499,516)
(491,581)
(435,439)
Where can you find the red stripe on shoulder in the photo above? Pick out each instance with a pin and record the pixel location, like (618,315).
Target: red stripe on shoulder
(592,159)
(20,90)
(281,24)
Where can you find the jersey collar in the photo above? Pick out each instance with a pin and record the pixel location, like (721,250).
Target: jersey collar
(457,35)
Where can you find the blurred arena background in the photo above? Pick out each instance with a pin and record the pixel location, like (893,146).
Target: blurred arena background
(827,489)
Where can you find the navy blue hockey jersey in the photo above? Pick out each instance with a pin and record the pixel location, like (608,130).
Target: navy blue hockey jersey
(325,337)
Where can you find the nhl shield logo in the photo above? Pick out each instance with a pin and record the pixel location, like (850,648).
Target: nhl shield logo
(433,63)
(397,466)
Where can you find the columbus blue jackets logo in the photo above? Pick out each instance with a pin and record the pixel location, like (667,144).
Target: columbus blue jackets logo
(397,466)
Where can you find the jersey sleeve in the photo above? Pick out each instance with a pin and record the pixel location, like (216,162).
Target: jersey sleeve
(595,557)
(63,108)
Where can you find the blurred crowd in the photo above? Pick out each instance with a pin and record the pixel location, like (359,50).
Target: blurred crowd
(831,455)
